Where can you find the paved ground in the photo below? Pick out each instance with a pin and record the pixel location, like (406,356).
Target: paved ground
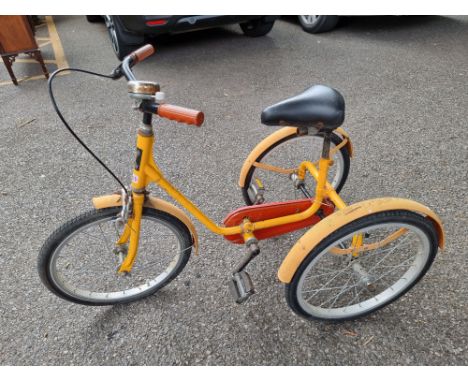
(405,82)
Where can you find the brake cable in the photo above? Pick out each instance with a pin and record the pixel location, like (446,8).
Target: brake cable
(54,103)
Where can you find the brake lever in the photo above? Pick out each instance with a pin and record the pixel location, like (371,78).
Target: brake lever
(117,73)
(120,71)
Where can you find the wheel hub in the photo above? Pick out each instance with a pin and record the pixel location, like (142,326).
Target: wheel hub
(365,279)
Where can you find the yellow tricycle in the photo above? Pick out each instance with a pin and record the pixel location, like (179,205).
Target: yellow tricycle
(353,260)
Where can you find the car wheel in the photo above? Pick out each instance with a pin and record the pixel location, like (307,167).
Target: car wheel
(123,42)
(257,28)
(318,24)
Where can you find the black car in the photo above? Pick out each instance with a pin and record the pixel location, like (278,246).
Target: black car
(129,32)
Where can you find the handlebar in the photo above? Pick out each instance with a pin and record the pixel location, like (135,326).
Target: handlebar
(172,112)
(181,114)
(142,53)
(124,69)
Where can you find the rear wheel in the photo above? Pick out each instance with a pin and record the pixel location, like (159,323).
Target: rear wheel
(257,28)
(288,154)
(334,283)
(79,262)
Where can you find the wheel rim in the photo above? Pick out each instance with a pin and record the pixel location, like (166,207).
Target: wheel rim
(288,155)
(327,290)
(93,262)
(113,34)
(310,19)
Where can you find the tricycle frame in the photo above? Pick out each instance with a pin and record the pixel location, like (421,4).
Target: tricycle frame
(146,171)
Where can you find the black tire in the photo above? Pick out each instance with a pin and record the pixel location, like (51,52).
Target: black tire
(394,217)
(94,19)
(336,140)
(123,42)
(257,28)
(318,24)
(58,239)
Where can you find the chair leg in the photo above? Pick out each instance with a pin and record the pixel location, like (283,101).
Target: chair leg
(8,61)
(38,56)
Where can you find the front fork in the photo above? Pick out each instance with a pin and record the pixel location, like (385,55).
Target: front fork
(144,161)
(132,232)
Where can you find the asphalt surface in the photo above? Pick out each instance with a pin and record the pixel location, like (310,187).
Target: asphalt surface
(405,81)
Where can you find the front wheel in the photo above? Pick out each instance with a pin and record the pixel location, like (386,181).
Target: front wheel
(363,266)
(79,262)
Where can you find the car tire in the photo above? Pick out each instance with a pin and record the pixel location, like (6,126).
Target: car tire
(122,41)
(257,28)
(94,18)
(318,24)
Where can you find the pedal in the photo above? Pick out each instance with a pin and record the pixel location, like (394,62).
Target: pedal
(241,286)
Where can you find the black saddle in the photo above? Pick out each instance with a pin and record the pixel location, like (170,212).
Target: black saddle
(319,106)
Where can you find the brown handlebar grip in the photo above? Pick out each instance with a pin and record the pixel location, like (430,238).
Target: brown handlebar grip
(142,53)
(181,114)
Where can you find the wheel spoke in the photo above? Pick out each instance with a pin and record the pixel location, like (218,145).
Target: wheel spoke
(94,237)
(400,265)
(105,239)
(323,274)
(380,252)
(329,281)
(387,255)
(324,289)
(385,274)
(344,289)
(356,296)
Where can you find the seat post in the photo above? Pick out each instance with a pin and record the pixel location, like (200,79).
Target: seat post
(326,145)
